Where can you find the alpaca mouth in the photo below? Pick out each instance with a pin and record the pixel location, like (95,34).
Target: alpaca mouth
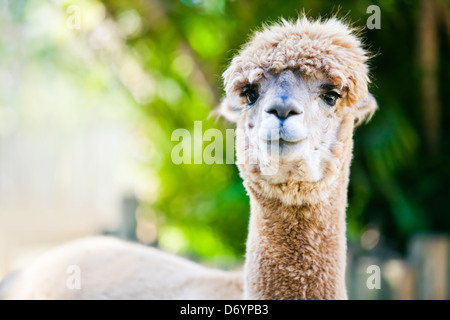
(290,142)
(283,147)
(285,140)
(284,136)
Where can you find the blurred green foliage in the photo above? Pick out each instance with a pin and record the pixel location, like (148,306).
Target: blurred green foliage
(397,182)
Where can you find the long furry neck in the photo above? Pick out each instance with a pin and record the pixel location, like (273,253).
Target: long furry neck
(298,250)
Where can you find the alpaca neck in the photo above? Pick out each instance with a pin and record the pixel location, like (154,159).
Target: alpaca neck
(295,252)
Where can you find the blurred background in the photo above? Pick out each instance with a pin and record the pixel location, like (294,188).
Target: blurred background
(91,92)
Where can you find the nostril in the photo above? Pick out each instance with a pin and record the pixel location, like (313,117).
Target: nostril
(293,113)
(283,112)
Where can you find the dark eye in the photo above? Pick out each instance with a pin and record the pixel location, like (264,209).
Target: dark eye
(252,96)
(331,97)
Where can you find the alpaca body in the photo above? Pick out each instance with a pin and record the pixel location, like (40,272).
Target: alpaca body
(110,268)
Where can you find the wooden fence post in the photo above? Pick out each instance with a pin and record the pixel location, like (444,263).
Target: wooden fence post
(127,229)
(429,254)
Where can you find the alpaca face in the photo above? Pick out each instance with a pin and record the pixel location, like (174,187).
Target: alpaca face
(288,126)
(289,89)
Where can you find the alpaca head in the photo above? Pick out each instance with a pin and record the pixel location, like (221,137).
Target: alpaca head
(289,90)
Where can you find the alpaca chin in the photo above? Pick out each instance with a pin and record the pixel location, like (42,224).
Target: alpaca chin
(278,162)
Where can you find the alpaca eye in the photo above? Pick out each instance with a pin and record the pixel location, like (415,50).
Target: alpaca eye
(252,96)
(331,97)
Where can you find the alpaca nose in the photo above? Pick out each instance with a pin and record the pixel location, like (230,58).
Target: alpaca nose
(284,110)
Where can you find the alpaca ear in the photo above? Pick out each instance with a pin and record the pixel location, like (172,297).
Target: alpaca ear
(230,108)
(365,109)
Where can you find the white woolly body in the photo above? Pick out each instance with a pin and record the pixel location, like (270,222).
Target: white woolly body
(115,269)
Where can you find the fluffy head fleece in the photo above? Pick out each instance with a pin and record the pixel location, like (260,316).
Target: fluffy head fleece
(320,49)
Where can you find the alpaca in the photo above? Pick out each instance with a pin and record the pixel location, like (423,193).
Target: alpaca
(298,88)
(296,91)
